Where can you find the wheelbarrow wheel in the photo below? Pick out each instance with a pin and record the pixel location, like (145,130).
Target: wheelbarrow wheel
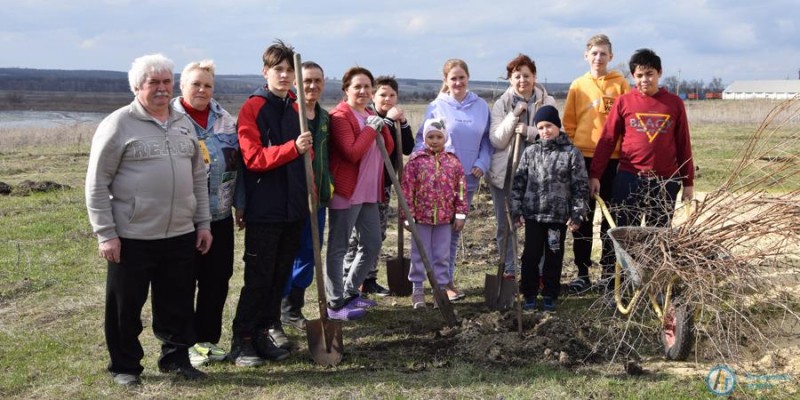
(678,334)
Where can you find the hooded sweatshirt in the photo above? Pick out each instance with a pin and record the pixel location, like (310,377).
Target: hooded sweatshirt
(468,124)
(502,129)
(589,101)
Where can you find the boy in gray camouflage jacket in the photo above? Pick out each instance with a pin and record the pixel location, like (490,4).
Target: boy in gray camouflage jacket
(549,193)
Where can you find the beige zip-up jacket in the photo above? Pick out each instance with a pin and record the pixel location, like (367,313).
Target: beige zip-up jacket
(146,180)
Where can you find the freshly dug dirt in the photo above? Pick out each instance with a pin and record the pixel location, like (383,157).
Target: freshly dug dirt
(27,186)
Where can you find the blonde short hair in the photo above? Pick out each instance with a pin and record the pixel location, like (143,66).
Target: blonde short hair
(599,40)
(203,65)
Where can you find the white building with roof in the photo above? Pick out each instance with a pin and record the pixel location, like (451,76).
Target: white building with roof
(775,90)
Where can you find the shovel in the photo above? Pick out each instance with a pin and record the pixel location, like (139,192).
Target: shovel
(445,307)
(324,336)
(499,293)
(397,268)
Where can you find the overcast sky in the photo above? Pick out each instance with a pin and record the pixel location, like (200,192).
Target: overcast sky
(410,39)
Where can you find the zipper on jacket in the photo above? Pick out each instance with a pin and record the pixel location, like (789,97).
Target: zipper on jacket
(435,174)
(172,167)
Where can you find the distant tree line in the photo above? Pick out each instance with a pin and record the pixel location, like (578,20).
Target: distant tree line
(17,83)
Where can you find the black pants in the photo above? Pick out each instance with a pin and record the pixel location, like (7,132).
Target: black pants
(548,240)
(582,244)
(269,251)
(165,267)
(214,270)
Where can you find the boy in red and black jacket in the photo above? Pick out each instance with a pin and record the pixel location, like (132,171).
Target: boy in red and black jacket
(272,148)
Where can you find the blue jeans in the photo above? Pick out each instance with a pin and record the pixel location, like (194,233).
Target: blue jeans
(652,198)
(303,267)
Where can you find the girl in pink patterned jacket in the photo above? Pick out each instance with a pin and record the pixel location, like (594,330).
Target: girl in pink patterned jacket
(435,186)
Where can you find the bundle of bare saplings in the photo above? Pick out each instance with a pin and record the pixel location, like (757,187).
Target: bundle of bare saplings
(726,273)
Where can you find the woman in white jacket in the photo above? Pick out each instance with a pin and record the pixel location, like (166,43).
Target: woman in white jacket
(512,113)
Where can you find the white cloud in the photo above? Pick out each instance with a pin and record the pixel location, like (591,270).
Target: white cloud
(735,39)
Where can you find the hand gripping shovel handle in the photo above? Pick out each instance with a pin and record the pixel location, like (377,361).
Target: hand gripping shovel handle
(441,299)
(313,200)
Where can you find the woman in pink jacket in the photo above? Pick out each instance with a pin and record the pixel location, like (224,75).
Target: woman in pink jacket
(434,181)
(357,168)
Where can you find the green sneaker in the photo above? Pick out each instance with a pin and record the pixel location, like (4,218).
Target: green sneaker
(196,358)
(203,353)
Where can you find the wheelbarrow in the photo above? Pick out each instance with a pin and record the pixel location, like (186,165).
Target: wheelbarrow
(675,312)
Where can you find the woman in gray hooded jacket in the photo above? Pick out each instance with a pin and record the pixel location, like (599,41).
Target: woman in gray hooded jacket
(512,113)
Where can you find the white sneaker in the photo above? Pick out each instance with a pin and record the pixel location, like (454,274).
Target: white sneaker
(203,353)
(418,299)
(196,358)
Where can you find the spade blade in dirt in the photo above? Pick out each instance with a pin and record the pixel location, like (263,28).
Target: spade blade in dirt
(503,299)
(397,276)
(397,268)
(499,293)
(325,342)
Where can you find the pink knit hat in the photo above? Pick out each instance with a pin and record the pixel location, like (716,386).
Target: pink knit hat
(435,124)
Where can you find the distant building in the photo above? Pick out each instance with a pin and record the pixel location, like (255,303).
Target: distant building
(775,90)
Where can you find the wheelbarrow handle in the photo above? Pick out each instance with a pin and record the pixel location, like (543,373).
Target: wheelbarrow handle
(604,210)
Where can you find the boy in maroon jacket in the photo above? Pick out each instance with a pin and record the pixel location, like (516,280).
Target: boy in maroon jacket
(656,152)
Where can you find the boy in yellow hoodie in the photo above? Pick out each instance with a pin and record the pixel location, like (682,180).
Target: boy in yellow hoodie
(589,100)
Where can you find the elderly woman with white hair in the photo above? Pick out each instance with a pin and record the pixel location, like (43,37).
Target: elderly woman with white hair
(216,133)
(147,199)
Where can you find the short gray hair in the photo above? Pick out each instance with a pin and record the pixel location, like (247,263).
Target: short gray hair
(203,65)
(148,64)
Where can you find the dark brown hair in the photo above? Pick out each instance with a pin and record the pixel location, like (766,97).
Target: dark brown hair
(347,78)
(277,53)
(518,62)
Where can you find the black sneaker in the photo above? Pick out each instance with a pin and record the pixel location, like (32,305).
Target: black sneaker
(186,371)
(579,285)
(266,348)
(244,354)
(371,286)
(279,338)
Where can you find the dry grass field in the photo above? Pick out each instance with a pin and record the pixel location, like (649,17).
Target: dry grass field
(52,289)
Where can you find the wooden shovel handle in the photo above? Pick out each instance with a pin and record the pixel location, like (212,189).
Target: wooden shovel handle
(398,143)
(313,200)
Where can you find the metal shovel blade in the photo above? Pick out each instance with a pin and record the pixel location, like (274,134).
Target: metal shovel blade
(325,341)
(397,276)
(502,299)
